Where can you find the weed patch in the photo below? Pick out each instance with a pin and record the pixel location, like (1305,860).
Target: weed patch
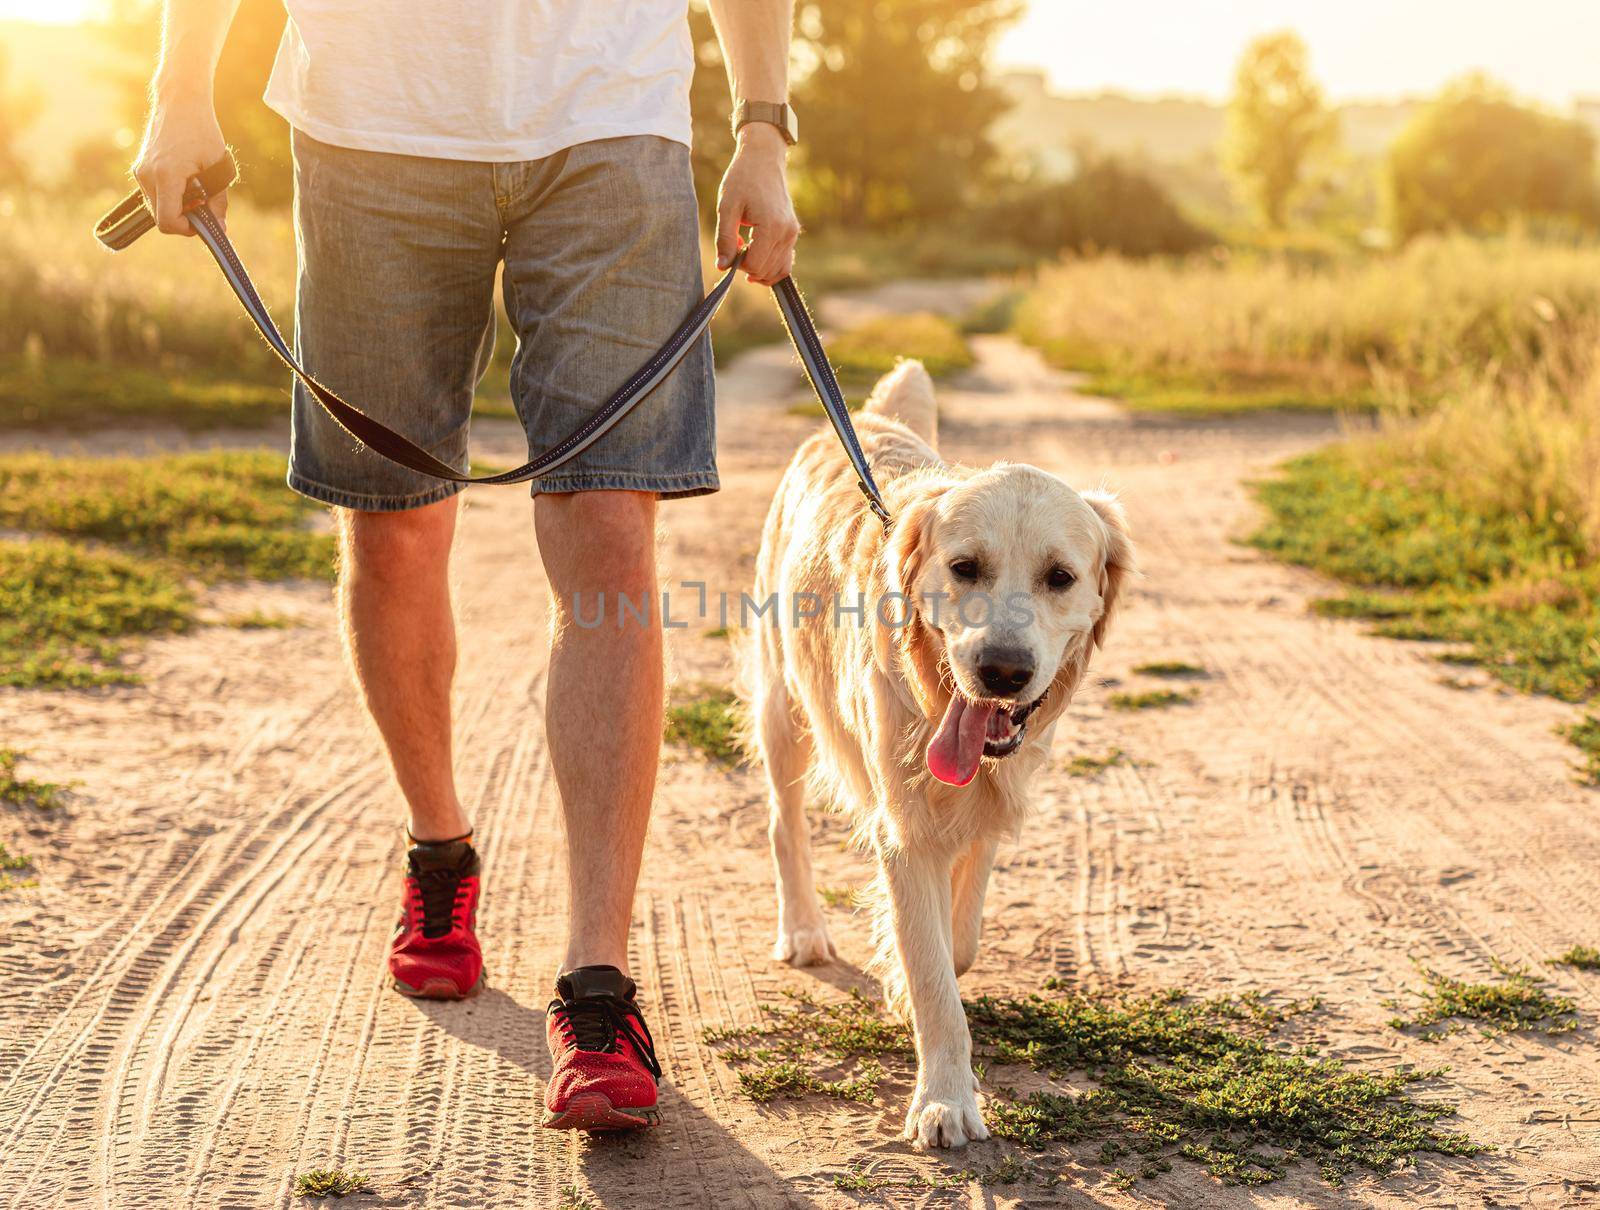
(1088,765)
(66,612)
(864,354)
(1170,1077)
(1516,1002)
(23,791)
(837,896)
(220,515)
(709,723)
(1516,588)
(1170,669)
(1586,735)
(1581,957)
(10,863)
(62,393)
(330,1182)
(1152,699)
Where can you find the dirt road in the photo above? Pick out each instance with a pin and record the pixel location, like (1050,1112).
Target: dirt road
(193,1005)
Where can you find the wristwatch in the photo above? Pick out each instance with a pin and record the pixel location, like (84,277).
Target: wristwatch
(781,116)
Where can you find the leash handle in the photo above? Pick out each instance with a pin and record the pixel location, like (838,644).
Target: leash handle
(131,218)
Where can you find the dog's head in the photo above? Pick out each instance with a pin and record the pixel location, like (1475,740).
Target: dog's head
(1012,577)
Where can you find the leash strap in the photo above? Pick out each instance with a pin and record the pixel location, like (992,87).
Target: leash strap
(131,218)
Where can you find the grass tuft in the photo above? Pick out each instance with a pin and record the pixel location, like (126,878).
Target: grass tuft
(1152,699)
(1208,1081)
(1087,765)
(25,792)
(865,353)
(1586,735)
(709,723)
(837,896)
(1170,668)
(330,1182)
(1515,1003)
(1580,957)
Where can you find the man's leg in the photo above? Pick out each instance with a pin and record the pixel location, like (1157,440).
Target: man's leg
(394,593)
(603,705)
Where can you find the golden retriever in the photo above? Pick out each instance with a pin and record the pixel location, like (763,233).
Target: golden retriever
(914,677)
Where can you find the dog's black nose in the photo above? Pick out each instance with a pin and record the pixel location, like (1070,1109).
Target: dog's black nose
(1005,670)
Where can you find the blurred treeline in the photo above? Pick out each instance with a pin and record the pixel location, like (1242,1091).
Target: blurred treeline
(896,101)
(899,112)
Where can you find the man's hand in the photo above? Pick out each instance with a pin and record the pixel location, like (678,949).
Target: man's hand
(755,193)
(182,139)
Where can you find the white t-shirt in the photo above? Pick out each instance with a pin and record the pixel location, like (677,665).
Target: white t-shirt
(488,80)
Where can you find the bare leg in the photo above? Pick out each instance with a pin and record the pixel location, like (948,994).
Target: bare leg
(603,705)
(394,594)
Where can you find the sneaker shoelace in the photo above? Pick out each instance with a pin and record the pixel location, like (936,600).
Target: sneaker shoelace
(440,893)
(595,1023)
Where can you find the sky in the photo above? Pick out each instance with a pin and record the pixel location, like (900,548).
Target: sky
(1547,50)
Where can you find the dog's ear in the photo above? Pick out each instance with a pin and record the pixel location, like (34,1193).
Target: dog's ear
(907,546)
(1118,565)
(903,558)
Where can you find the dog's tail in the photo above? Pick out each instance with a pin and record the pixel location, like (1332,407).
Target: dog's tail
(905,394)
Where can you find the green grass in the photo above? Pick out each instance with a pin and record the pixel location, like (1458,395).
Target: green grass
(330,1182)
(1170,669)
(837,896)
(865,353)
(24,791)
(1515,588)
(709,723)
(121,538)
(1088,765)
(1586,735)
(1210,1081)
(13,861)
(66,612)
(1580,957)
(80,395)
(218,514)
(1516,1002)
(1152,699)
(255,619)
(1154,390)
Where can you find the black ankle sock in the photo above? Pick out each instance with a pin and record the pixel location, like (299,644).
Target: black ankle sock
(412,840)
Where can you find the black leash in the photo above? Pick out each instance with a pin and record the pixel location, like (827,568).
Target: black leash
(131,218)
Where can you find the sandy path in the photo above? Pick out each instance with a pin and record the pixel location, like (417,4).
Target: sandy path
(193,1005)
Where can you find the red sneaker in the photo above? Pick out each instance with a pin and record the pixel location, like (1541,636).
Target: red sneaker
(604,1070)
(434,954)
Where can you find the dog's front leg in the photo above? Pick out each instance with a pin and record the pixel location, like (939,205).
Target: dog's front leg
(944,1107)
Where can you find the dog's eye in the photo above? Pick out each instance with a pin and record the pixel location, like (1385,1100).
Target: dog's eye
(964,569)
(1059,578)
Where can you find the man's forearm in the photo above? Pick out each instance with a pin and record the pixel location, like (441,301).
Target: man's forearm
(755,46)
(192,34)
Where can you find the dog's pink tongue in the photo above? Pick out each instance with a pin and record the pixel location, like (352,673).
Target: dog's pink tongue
(957,746)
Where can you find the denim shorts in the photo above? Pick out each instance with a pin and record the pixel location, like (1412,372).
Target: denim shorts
(395,311)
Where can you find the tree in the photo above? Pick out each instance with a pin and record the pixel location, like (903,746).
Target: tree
(1475,159)
(18,109)
(258,136)
(1276,124)
(894,106)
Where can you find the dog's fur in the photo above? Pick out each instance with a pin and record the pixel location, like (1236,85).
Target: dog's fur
(850,703)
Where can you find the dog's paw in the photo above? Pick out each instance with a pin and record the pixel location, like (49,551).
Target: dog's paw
(951,1121)
(808,945)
